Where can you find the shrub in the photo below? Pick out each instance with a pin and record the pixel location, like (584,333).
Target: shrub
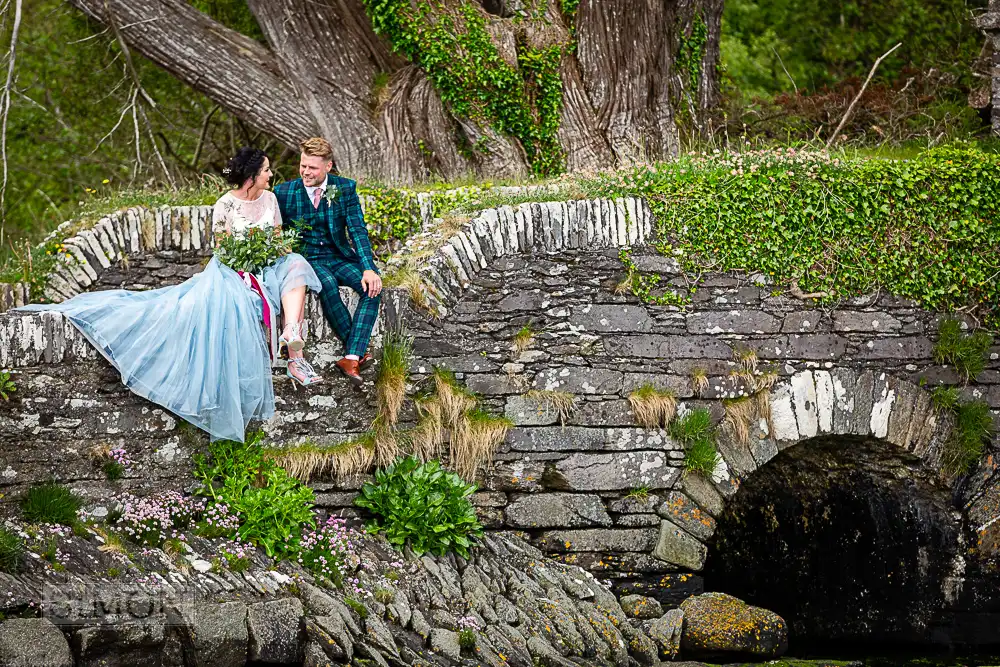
(50,503)
(11,549)
(423,505)
(272,505)
(966,353)
(696,433)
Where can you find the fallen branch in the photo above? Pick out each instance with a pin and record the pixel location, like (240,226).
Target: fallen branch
(850,109)
(797,292)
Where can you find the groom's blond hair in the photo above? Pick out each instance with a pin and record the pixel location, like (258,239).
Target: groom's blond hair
(317,147)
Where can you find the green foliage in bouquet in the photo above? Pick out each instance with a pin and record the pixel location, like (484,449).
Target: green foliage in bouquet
(253,249)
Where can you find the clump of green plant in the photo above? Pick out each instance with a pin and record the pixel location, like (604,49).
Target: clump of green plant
(393,369)
(113,572)
(969,437)
(945,398)
(7,386)
(11,550)
(384,595)
(638,493)
(967,353)
(697,435)
(652,407)
(50,503)
(272,505)
(522,339)
(409,278)
(562,402)
(357,606)
(422,505)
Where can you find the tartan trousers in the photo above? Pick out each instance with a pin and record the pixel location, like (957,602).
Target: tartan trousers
(356,332)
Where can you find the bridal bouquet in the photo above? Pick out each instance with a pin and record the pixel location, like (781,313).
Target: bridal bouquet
(254,248)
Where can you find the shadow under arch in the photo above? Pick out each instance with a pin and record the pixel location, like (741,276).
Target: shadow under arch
(851,539)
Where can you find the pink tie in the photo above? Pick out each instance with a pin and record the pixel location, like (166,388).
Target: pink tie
(317,193)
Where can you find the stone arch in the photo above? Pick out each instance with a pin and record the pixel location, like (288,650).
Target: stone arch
(811,404)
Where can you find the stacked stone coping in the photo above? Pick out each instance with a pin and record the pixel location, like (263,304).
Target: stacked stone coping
(31,338)
(545,227)
(183,228)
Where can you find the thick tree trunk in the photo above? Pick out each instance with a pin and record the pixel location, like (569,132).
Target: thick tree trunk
(621,95)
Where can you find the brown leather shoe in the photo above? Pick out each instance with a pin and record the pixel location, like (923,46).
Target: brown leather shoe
(349,367)
(366,361)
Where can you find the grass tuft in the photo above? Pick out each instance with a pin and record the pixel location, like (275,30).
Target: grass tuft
(740,416)
(475,439)
(966,353)
(945,398)
(50,503)
(345,460)
(11,551)
(699,381)
(393,370)
(562,402)
(522,339)
(653,408)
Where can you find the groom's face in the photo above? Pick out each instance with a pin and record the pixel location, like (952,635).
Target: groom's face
(313,169)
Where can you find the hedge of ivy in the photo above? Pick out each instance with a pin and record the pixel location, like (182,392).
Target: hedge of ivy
(925,228)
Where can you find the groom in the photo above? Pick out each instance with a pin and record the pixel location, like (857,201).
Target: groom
(330,212)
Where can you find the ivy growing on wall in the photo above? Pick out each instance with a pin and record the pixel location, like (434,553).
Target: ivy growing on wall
(453,47)
(691,51)
(924,229)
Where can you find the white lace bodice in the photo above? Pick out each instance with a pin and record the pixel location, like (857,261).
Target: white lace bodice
(236,215)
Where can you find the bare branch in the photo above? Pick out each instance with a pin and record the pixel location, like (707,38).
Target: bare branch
(850,109)
(5,111)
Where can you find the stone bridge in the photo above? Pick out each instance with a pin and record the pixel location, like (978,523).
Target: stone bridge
(845,458)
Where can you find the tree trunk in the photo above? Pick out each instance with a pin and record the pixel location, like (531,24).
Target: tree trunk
(325,71)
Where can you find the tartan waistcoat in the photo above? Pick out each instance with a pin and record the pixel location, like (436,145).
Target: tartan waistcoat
(325,229)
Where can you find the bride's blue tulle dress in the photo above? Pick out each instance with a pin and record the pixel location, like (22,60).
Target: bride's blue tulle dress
(197,348)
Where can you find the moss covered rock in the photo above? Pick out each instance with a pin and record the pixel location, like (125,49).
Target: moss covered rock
(719,625)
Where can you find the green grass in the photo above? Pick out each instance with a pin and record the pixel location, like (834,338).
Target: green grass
(114,470)
(11,550)
(639,493)
(358,608)
(971,433)
(967,353)
(50,503)
(697,434)
(945,398)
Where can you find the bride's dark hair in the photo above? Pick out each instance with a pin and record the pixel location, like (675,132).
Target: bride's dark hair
(246,164)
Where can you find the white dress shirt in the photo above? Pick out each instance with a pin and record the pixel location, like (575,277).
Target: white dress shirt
(311,191)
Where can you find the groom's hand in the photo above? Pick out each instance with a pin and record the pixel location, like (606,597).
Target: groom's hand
(371,283)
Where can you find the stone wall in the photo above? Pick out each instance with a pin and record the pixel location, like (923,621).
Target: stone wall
(854,369)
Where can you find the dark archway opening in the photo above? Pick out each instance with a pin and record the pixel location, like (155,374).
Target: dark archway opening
(850,541)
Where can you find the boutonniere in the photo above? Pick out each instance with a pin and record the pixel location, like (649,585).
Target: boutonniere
(331,193)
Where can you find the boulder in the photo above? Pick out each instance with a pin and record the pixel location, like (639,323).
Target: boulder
(215,634)
(446,643)
(33,642)
(642,607)
(275,630)
(719,625)
(119,645)
(666,632)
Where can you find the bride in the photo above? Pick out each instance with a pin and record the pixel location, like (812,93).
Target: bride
(197,348)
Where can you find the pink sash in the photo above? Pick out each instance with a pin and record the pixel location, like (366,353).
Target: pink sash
(270,323)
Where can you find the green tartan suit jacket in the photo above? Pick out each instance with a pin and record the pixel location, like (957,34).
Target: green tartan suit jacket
(325,230)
